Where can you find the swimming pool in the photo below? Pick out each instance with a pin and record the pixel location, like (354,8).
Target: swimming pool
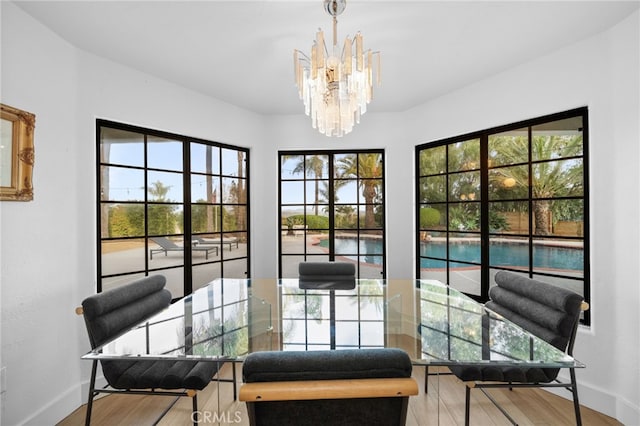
(502,254)
(506,254)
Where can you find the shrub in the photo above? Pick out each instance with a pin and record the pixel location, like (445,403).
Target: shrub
(313,221)
(429,217)
(497,222)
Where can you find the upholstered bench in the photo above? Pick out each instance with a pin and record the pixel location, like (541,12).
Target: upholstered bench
(341,387)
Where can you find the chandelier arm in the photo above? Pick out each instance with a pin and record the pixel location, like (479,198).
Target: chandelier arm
(305,57)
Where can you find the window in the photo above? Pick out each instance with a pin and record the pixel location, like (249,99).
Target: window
(321,320)
(513,198)
(332,208)
(170,204)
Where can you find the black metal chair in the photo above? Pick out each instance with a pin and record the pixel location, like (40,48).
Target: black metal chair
(549,312)
(113,312)
(327,275)
(339,387)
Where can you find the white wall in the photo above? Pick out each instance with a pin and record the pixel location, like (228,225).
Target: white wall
(40,267)
(47,246)
(601,73)
(376,131)
(624,132)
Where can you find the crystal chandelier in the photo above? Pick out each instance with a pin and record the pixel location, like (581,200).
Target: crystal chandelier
(336,85)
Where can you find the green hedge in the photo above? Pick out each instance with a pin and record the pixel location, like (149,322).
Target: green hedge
(429,217)
(313,221)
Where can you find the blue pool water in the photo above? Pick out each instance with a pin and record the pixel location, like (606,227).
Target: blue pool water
(370,250)
(504,254)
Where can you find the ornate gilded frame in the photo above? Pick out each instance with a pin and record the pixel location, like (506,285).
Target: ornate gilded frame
(17,140)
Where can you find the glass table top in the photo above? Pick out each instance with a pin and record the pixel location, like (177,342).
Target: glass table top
(433,323)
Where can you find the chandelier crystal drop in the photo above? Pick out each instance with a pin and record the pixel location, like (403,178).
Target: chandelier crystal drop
(337,84)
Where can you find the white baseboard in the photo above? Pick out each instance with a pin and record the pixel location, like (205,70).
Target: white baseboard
(595,398)
(57,409)
(628,413)
(62,405)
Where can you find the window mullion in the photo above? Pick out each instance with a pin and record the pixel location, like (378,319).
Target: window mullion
(331,202)
(186,208)
(531,202)
(485,242)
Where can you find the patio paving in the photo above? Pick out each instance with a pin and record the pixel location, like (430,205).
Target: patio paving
(132,258)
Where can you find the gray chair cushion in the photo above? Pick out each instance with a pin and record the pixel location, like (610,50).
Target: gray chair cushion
(555,297)
(145,374)
(544,310)
(113,312)
(330,412)
(327,275)
(505,374)
(326,365)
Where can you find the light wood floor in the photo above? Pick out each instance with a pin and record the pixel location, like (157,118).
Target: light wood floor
(527,406)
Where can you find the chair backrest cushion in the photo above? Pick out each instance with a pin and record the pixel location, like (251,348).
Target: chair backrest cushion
(548,311)
(112,312)
(274,366)
(339,275)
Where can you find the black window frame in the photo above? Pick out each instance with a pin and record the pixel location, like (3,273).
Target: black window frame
(186,202)
(483,202)
(331,204)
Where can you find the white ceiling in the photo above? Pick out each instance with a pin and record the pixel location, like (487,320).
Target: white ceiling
(241,52)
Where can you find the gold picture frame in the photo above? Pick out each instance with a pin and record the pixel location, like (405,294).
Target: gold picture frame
(16,154)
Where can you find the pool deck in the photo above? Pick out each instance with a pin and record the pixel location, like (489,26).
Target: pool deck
(131,258)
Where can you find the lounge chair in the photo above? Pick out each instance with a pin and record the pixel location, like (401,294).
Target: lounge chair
(167,245)
(226,241)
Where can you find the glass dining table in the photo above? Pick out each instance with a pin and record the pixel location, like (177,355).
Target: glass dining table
(434,323)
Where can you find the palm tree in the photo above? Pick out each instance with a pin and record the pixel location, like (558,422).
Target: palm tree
(312,165)
(158,191)
(364,167)
(240,194)
(552,178)
(212,212)
(161,219)
(105,151)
